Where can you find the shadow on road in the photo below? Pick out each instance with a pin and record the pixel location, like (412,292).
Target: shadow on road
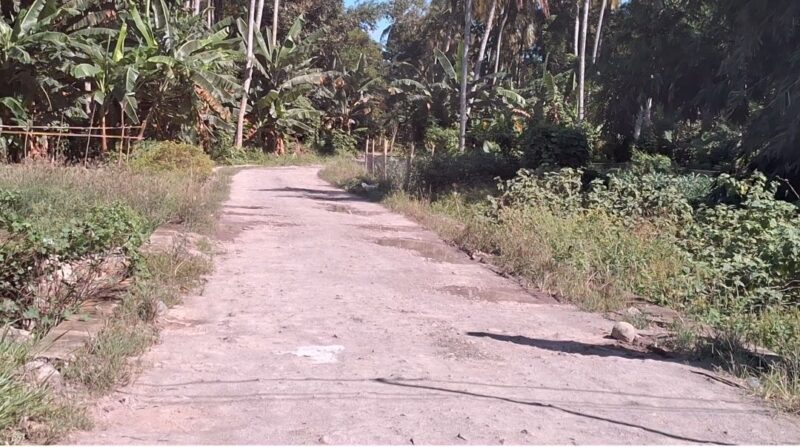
(573,347)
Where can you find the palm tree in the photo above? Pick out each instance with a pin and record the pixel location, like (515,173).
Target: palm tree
(248,71)
(462,131)
(598,31)
(582,67)
(275,7)
(487,31)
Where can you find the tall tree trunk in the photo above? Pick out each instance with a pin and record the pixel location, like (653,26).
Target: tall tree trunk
(485,39)
(462,130)
(582,67)
(576,36)
(248,72)
(499,45)
(643,119)
(275,7)
(598,31)
(259,15)
(197,7)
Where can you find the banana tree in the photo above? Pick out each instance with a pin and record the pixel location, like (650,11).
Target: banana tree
(347,98)
(283,81)
(111,77)
(198,65)
(33,83)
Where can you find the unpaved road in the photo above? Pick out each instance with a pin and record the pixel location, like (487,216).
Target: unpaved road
(331,320)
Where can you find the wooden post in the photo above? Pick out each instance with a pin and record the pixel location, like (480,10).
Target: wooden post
(366,153)
(122,135)
(103,134)
(88,139)
(372,158)
(25,147)
(385,158)
(409,161)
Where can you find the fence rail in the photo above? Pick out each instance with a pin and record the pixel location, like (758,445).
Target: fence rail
(37,139)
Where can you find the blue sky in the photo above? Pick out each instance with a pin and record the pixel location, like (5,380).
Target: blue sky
(376,33)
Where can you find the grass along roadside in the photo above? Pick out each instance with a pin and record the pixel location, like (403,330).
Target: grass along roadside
(600,263)
(62,204)
(163,277)
(244,157)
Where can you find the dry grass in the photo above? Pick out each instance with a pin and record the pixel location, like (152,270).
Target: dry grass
(53,194)
(585,260)
(107,361)
(31,413)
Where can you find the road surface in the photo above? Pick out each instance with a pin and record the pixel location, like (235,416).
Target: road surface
(330,320)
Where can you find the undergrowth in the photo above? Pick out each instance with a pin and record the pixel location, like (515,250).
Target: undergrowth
(163,277)
(51,216)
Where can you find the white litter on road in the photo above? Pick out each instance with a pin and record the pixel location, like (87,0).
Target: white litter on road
(319,354)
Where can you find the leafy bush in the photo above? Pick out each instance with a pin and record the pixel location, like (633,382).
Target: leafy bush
(343,143)
(172,156)
(696,147)
(30,256)
(554,146)
(740,246)
(501,133)
(631,197)
(441,140)
(643,163)
(750,252)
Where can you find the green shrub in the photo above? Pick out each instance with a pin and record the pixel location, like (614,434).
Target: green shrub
(554,146)
(643,163)
(740,246)
(498,134)
(716,147)
(28,254)
(343,143)
(172,156)
(631,197)
(750,252)
(441,140)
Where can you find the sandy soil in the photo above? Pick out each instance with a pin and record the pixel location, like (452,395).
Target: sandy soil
(331,320)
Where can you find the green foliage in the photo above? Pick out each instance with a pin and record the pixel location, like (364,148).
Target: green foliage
(341,143)
(436,173)
(172,156)
(17,399)
(740,251)
(644,163)
(553,146)
(28,255)
(441,140)
(715,148)
(749,252)
(58,216)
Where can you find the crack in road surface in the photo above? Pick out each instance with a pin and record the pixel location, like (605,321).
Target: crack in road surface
(325,329)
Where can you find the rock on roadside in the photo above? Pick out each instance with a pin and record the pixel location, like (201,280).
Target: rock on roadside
(40,372)
(624,332)
(15,335)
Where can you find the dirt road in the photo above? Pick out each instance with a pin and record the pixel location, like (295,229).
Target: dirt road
(331,320)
